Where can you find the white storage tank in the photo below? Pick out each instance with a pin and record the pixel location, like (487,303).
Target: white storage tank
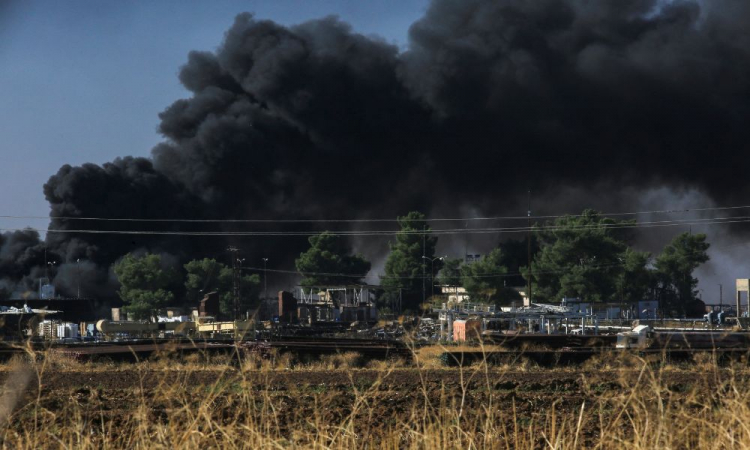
(67,330)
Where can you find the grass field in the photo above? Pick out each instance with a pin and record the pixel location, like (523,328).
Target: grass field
(344,402)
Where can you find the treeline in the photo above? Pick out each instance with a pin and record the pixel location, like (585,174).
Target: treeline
(591,257)
(587,256)
(148,284)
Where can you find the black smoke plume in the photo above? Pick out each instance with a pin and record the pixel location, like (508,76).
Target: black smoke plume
(490,99)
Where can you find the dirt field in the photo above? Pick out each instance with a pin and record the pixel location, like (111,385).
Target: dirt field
(332,404)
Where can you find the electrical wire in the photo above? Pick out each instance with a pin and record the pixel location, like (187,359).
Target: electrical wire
(390,220)
(427,277)
(452,231)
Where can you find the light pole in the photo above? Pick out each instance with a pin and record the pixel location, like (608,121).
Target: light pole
(78,277)
(234,251)
(50,265)
(238,297)
(46,272)
(265,280)
(49,281)
(432,271)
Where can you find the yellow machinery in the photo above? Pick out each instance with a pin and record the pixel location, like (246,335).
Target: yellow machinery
(237,329)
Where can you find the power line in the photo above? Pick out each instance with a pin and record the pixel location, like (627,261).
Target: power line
(376,220)
(450,231)
(487,275)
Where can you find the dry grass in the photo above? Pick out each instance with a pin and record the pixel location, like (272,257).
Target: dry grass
(429,357)
(605,404)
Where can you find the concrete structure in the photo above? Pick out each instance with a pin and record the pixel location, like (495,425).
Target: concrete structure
(454,294)
(743,285)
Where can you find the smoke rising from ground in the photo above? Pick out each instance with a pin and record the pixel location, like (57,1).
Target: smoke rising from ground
(588,104)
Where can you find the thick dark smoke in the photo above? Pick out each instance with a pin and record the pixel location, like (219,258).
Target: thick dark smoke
(21,260)
(490,99)
(577,92)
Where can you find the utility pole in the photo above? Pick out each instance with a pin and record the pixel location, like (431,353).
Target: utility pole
(528,246)
(265,280)
(235,282)
(46,265)
(721,298)
(432,271)
(432,279)
(78,276)
(424,256)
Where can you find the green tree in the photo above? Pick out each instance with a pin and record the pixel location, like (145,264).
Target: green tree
(676,287)
(635,279)
(329,261)
(205,275)
(144,284)
(450,274)
(485,280)
(582,256)
(408,265)
(516,258)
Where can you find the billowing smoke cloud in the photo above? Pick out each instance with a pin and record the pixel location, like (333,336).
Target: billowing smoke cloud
(21,259)
(491,98)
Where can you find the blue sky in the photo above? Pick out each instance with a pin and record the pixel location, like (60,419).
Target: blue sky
(83,81)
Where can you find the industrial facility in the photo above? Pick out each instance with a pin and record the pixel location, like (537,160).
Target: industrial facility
(335,318)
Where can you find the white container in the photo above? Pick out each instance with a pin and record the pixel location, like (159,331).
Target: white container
(67,330)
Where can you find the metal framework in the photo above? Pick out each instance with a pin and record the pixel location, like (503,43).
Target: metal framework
(339,296)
